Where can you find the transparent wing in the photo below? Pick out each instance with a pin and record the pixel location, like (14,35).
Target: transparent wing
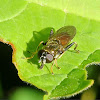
(64,35)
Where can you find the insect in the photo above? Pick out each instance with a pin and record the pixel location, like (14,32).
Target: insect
(55,46)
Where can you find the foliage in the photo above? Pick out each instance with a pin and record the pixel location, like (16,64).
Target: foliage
(24,24)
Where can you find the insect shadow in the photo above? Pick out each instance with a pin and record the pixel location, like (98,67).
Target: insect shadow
(42,35)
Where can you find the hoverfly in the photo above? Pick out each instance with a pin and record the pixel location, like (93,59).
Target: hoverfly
(56,45)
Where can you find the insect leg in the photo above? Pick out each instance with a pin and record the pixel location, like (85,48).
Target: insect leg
(51,32)
(51,68)
(57,64)
(70,45)
(35,51)
(42,65)
(66,48)
(39,45)
(76,47)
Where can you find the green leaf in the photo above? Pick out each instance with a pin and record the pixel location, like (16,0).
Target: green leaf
(26,23)
(11,8)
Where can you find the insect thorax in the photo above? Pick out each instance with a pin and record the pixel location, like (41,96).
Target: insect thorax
(54,47)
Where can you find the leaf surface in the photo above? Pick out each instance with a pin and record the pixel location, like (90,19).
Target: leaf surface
(29,22)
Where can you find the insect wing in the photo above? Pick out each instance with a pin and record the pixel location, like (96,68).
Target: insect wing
(69,30)
(65,35)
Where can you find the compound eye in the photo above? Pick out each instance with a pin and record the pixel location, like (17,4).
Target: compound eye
(40,53)
(49,58)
